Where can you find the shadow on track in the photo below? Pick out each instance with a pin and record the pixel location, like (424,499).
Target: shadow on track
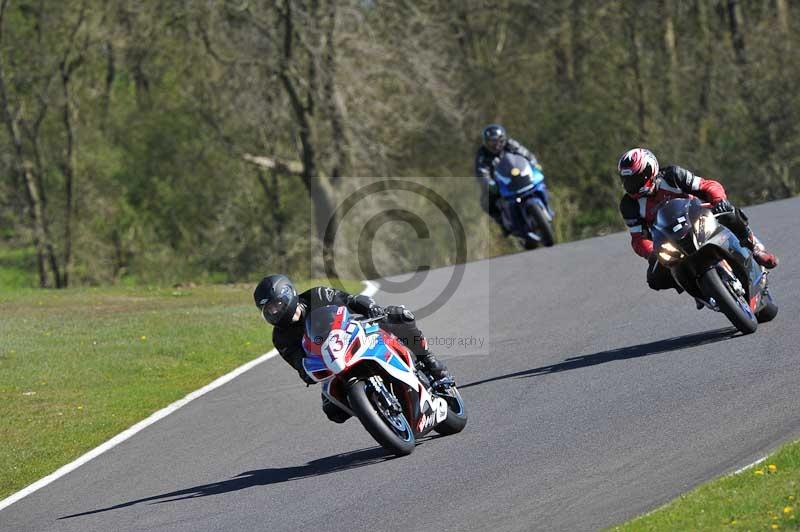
(634,351)
(262,477)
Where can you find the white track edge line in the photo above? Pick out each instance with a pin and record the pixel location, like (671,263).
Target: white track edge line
(738,471)
(370,288)
(748,466)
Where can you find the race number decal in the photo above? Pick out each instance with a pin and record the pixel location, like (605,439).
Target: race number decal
(336,343)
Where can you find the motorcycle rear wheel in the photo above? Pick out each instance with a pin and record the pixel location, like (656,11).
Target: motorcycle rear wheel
(730,305)
(456,418)
(769,311)
(529,243)
(392,432)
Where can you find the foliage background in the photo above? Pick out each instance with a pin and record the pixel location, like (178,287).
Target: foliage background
(172,140)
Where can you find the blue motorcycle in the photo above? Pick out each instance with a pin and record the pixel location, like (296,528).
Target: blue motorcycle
(523,202)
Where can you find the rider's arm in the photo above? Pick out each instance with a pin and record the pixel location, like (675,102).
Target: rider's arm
(361,304)
(684,180)
(291,352)
(483,168)
(629,208)
(358,303)
(641,245)
(514,146)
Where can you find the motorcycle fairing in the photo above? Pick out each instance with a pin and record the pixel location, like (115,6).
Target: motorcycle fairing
(333,390)
(519,184)
(513,210)
(348,346)
(315,368)
(383,349)
(512,185)
(693,230)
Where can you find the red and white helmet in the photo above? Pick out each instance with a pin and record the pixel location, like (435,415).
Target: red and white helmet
(638,169)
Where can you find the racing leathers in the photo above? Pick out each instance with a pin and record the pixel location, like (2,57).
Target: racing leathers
(639,213)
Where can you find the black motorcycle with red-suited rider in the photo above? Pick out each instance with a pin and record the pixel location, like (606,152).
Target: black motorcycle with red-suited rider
(709,262)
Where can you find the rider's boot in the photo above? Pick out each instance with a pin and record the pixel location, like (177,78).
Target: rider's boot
(760,254)
(334,413)
(432,367)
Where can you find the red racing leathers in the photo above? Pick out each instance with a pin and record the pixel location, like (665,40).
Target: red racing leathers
(671,182)
(640,212)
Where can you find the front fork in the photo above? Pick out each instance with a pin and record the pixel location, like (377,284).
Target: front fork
(732,280)
(729,278)
(386,398)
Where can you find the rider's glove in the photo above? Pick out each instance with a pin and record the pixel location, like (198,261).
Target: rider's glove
(376,311)
(491,187)
(722,207)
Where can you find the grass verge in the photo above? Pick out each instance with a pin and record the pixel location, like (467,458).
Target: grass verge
(79,366)
(764,497)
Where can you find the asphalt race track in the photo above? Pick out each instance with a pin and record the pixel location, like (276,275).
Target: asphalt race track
(591,398)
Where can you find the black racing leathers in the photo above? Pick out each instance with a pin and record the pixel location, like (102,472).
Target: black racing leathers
(288,340)
(485,162)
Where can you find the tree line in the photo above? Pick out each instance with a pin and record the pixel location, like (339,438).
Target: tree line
(171,140)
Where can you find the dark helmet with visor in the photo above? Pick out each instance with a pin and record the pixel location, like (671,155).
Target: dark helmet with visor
(494,138)
(276,298)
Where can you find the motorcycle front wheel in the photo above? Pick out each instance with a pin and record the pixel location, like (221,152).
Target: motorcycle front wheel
(733,305)
(390,429)
(543,226)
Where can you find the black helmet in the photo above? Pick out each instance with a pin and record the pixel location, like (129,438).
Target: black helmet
(494,138)
(276,298)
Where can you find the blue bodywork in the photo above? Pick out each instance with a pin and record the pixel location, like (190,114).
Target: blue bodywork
(520,183)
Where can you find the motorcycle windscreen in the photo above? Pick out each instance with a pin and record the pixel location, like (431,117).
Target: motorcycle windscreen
(673,218)
(320,322)
(513,175)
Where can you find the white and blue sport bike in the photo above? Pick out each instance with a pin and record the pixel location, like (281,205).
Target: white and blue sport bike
(370,374)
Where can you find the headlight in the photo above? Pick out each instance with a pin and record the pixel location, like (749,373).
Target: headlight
(705,224)
(669,252)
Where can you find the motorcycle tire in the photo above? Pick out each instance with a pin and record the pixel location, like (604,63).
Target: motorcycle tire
(769,311)
(456,418)
(730,305)
(529,243)
(397,438)
(544,228)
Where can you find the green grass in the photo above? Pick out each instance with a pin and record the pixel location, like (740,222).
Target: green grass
(78,366)
(18,269)
(761,498)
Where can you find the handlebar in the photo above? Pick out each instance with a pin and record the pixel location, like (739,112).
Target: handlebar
(371,320)
(711,206)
